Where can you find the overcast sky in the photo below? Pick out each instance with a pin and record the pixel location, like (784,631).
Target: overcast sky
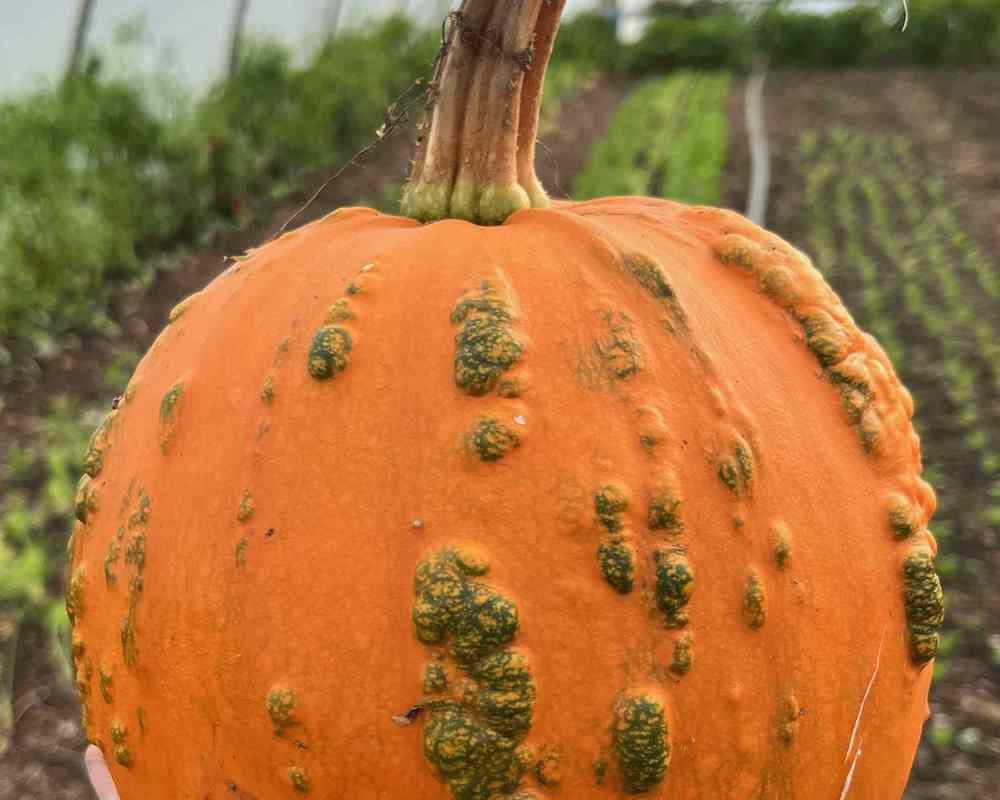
(188,36)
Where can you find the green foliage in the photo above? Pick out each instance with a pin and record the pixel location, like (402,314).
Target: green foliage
(589,40)
(669,138)
(722,35)
(883,214)
(95,177)
(119,369)
(562,80)
(39,504)
(719,41)
(88,173)
(273,121)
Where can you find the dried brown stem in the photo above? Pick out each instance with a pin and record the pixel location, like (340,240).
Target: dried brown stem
(475,160)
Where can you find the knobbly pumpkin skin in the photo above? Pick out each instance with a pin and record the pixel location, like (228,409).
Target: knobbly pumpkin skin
(616,492)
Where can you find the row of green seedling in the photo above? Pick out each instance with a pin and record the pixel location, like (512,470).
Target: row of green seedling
(668,138)
(848,150)
(951,319)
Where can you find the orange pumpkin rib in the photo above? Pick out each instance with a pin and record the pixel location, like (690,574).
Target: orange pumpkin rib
(272,652)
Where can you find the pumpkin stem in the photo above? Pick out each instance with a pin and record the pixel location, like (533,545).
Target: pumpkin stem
(475,157)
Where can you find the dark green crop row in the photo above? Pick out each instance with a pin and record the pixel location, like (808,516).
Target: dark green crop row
(668,138)
(886,235)
(939,32)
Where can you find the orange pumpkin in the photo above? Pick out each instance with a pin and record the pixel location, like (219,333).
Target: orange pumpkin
(610,498)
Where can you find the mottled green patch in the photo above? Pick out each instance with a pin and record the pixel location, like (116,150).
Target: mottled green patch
(299,779)
(135,551)
(86,498)
(665,511)
(652,427)
(280,704)
(135,554)
(329,352)
(110,562)
(84,677)
(788,719)
(129,653)
(435,679)
(486,346)
(754,602)
(548,766)
(903,518)
(74,593)
(826,338)
(486,302)
(506,694)
(107,681)
(471,562)
(477,762)
(617,563)
(778,283)
(924,602)
(478,619)
(141,515)
(782,538)
(280,352)
(491,439)
(128,633)
(728,475)
(851,378)
(869,430)
(744,462)
(650,276)
(510,387)
(471,738)
(267,390)
(178,310)
(683,656)
(119,741)
(640,742)
(339,312)
(93,461)
(674,584)
(241,552)
(610,502)
(169,413)
(71,543)
(619,348)
(246,507)
(736,471)
(853,372)
(735,251)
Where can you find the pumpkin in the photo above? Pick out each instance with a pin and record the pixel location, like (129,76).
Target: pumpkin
(609,498)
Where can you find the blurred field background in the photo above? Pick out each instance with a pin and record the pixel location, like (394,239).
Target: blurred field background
(128,176)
